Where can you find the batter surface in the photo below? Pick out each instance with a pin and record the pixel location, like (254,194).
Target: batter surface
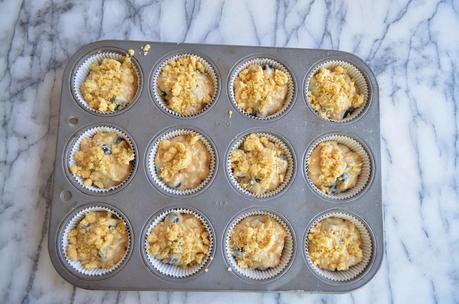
(257,242)
(261,90)
(183,162)
(180,240)
(111,85)
(333,93)
(259,165)
(100,240)
(335,244)
(185,85)
(103,161)
(334,168)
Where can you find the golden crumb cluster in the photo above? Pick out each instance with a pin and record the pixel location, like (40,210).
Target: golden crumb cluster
(103,161)
(183,162)
(110,85)
(186,86)
(180,240)
(333,167)
(333,93)
(257,242)
(259,165)
(100,240)
(335,244)
(261,91)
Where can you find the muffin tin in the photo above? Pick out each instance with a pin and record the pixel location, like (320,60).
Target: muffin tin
(220,202)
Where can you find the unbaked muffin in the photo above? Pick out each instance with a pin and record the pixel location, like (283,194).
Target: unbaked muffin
(261,90)
(186,86)
(111,85)
(259,165)
(100,240)
(333,94)
(333,167)
(335,244)
(257,242)
(183,162)
(180,239)
(105,160)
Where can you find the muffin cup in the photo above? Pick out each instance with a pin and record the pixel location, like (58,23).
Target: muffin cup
(75,147)
(82,71)
(76,265)
(270,273)
(355,74)
(153,150)
(365,174)
(273,64)
(163,104)
(288,175)
(173,271)
(367,249)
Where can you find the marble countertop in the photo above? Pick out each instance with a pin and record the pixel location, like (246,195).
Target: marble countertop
(412,46)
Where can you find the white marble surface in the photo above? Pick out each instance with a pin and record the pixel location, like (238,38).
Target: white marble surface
(413,47)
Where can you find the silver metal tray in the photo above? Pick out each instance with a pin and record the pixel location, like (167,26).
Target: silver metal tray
(220,202)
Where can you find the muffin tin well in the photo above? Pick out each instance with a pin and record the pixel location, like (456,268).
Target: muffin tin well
(141,200)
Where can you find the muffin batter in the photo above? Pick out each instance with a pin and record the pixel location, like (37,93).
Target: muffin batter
(185,85)
(333,93)
(334,168)
(259,165)
(180,240)
(261,90)
(104,161)
(335,244)
(183,162)
(111,85)
(257,242)
(100,240)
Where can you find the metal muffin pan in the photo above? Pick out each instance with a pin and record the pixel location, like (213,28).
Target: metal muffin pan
(220,202)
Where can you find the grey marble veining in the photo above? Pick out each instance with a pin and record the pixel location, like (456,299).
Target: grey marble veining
(412,46)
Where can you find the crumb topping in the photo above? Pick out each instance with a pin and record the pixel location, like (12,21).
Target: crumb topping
(180,240)
(186,86)
(333,93)
(335,244)
(100,240)
(110,85)
(259,165)
(257,242)
(261,90)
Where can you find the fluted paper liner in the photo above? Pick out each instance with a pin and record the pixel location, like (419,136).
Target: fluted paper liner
(82,71)
(153,150)
(355,74)
(270,273)
(365,173)
(367,249)
(75,147)
(173,271)
(72,223)
(207,66)
(273,64)
(288,174)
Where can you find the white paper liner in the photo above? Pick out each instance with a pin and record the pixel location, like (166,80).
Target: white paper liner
(260,275)
(273,64)
(75,147)
(367,249)
(365,173)
(172,270)
(355,74)
(163,104)
(288,175)
(82,71)
(152,167)
(72,223)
